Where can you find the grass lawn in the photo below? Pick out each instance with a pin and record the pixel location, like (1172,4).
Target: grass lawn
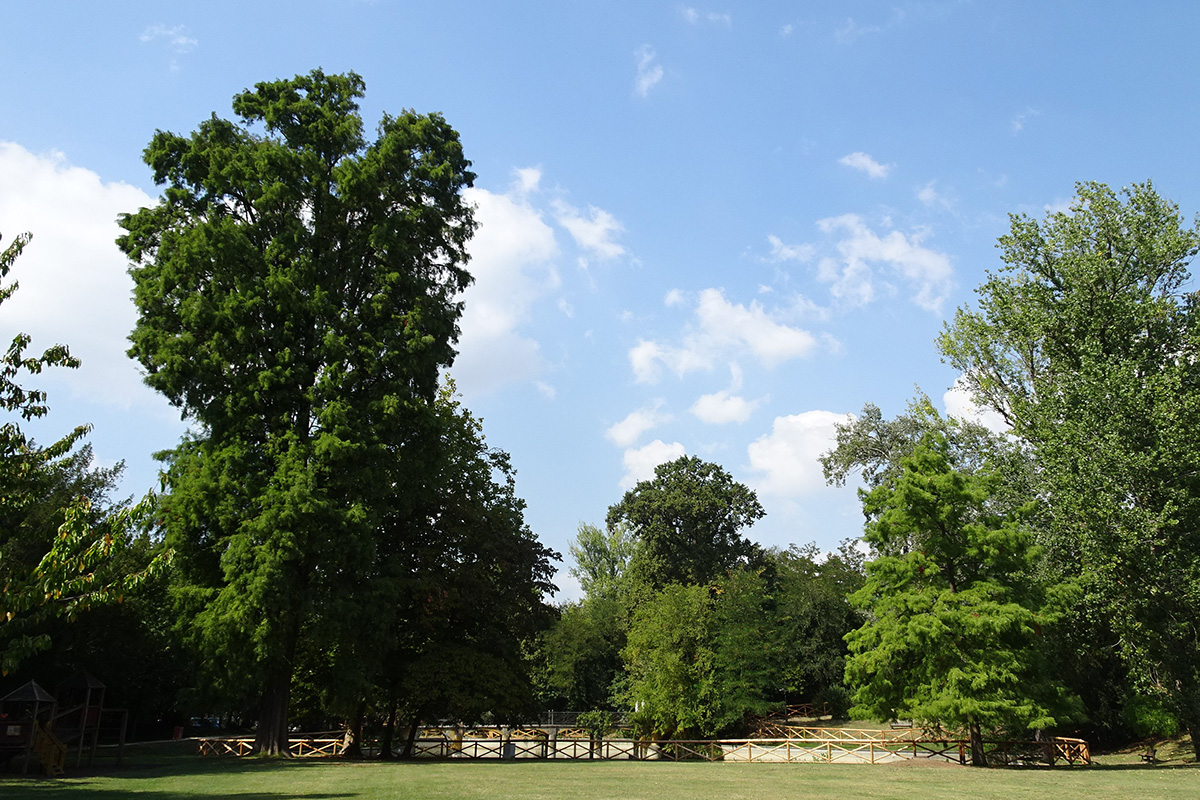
(158,776)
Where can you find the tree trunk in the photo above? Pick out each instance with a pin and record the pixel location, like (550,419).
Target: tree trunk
(389,729)
(1193,722)
(412,735)
(271,736)
(354,728)
(978,757)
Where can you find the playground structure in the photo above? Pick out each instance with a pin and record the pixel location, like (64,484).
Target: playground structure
(800,744)
(36,725)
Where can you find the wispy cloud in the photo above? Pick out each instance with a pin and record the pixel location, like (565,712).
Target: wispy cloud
(174,39)
(695,16)
(853,277)
(1018,122)
(790,252)
(850,31)
(649,71)
(786,30)
(932,196)
(864,163)
(594,232)
(721,330)
(626,432)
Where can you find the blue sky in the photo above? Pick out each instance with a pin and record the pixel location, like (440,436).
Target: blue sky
(713,229)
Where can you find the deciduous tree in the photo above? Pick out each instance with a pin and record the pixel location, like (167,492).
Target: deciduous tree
(688,519)
(1087,340)
(58,551)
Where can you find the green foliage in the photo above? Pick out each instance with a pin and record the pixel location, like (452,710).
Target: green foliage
(581,653)
(687,520)
(297,290)
(955,619)
(461,584)
(598,723)
(1087,340)
(58,552)
(699,659)
(601,558)
(1151,717)
(813,616)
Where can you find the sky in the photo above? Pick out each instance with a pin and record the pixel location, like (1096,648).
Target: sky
(712,229)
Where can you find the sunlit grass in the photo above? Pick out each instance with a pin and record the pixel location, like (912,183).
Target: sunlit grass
(174,777)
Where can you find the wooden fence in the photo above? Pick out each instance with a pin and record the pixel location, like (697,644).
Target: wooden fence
(811,745)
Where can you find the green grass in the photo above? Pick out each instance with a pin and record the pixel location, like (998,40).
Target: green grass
(157,776)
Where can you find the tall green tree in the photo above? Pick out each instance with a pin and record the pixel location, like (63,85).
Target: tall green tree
(688,520)
(1087,340)
(466,584)
(297,290)
(955,615)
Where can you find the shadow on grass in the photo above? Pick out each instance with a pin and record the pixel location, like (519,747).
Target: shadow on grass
(49,791)
(1143,767)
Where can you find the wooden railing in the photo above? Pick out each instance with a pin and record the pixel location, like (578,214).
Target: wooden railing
(823,745)
(300,747)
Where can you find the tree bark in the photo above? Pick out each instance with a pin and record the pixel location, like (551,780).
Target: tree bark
(412,735)
(978,757)
(271,735)
(389,730)
(354,728)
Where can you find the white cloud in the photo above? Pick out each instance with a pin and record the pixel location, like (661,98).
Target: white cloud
(674,298)
(726,405)
(958,403)
(864,163)
(527,179)
(640,463)
(786,30)
(546,390)
(626,432)
(512,256)
(174,38)
(852,279)
(649,71)
(790,252)
(593,232)
(721,329)
(696,16)
(723,407)
(74,285)
(786,458)
(929,195)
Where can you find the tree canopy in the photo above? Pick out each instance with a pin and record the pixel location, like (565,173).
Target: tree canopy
(954,609)
(689,519)
(297,290)
(1087,340)
(59,542)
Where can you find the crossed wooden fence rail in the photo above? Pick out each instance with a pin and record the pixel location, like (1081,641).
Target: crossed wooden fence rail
(822,745)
